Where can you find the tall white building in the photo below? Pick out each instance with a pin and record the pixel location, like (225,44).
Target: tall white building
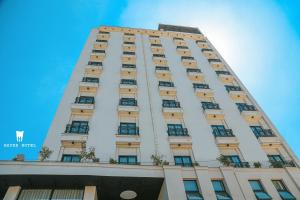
(166,118)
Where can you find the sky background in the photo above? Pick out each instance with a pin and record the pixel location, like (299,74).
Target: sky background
(40,42)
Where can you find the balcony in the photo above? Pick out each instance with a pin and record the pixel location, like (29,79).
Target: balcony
(203,45)
(225,138)
(209,54)
(249,112)
(100,44)
(128,88)
(163,72)
(97,55)
(184,52)
(129,57)
(283,163)
(129,47)
(167,89)
(103,36)
(90,87)
(123,140)
(240,164)
(268,141)
(203,90)
(225,76)
(93,70)
(172,110)
(128,38)
(154,41)
(128,111)
(82,109)
(212,110)
(195,74)
(161,61)
(74,129)
(180,42)
(188,62)
(235,92)
(157,50)
(128,72)
(73,140)
(128,131)
(178,132)
(180,141)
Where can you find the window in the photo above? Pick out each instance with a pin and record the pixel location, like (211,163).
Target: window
(177,130)
(156,45)
(161,68)
(184,161)
(191,190)
(187,57)
(245,107)
(193,70)
(80,127)
(275,158)
(236,161)
(221,131)
(105,41)
(98,51)
(128,102)
(182,47)
(170,104)
(210,105)
(282,190)
(128,81)
(128,160)
(128,129)
(220,190)
(95,63)
(258,190)
(159,55)
(90,79)
(84,100)
(51,194)
(128,66)
(70,158)
(200,86)
(131,43)
(214,60)
(223,72)
(165,84)
(128,53)
(205,49)
(233,88)
(260,132)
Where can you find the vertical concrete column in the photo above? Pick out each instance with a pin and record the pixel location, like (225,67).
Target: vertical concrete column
(232,183)
(294,173)
(174,183)
(270,189)
(205,184)
(90,193)
(12,193)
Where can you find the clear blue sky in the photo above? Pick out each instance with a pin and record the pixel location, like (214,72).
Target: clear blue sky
(40,42)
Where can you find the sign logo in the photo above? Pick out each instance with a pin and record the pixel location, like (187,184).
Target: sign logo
(19,136)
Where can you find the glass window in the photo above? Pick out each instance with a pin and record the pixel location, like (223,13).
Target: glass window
(170,104)
(282,190)
(166,84)
(90,79)
(191,190)
(128,129)
(84,100)
(34,194)
(258,190)
(128,81)
(220,190)
(128,102)
(70,158)
(128,160)
(184,161)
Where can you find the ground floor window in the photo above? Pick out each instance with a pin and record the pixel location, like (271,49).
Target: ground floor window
(51,194)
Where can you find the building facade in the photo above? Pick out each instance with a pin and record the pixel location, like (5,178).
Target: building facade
(156,114)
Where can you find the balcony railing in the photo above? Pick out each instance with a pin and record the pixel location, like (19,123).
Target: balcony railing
(103,32)
(165,84)
(162,68)
(90,79)
(245,107)
(128,66)
(200,41)
(187,58)
(156,45)
(178,132)
(223,133)
(282,164)
(171,104)
(83,129)
(260,132)
(200,86)
(128,82)
(210,105)
(233,88)
(193,70)
(214,60)
(128,131)
(206,50)
(240,164)
(128,102)
(95,63)
(222,72)
(104,41)
(159,56)
(98,51)
(85,100)
(182,47)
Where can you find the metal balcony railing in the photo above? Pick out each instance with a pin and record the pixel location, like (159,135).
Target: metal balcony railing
(193,70)
(128,130)
(171,104)
(90,79)
(81,129)
(200,86)
(178,132)
(222,72)
(233,88)
(210,105)
(223,133)
(245,107)
(93,63)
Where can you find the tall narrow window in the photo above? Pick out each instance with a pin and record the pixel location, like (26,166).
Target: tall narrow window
(282,190)
(128,160)
(192,190)
(220,190)
(70,158)
(259,191)
(184,161)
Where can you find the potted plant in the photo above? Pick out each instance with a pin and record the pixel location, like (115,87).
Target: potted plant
(45,153)
(224,160)
(257,164)
(89,155)
(112,161)
(157,160)
(165,162)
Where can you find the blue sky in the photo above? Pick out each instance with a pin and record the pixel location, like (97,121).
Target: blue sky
(40,42)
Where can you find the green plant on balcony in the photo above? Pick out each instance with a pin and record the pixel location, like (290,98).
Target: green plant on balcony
(277,164)
(257,164)
(112,161)
(157,160)
(224,160)
(89,155)
(45,153)
(165,162)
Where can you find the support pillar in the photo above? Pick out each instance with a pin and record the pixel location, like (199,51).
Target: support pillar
(12,193)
